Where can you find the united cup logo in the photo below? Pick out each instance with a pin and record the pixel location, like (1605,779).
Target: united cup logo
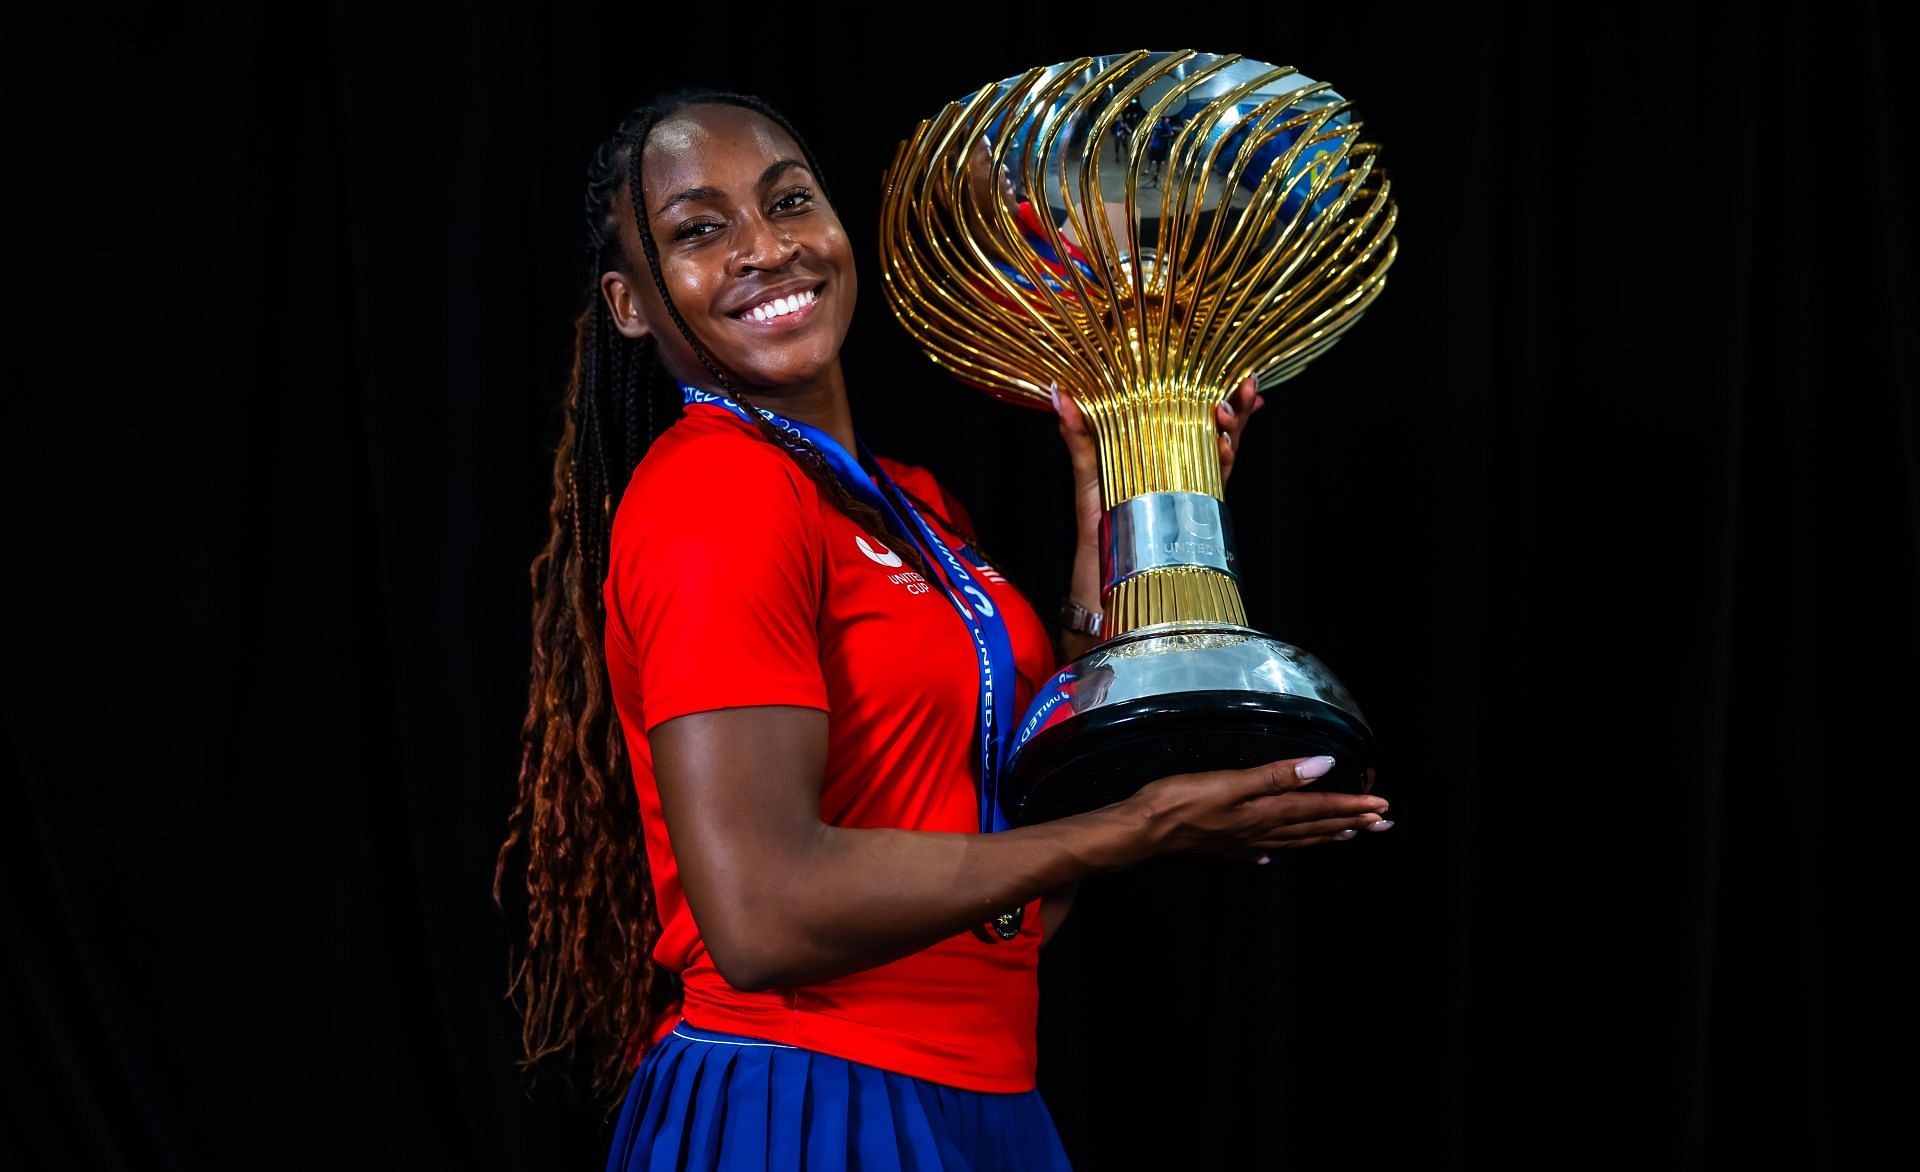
(881,556)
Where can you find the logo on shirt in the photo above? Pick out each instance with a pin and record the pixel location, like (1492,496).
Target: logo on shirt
(882,556)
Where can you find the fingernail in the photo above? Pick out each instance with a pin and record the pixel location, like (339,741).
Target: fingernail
(1263,860)
(1313,767)
(1053,392)
(1383,824)
(1227,407)
(1343,836)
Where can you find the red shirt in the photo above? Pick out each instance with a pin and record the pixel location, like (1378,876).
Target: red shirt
(1037,233)
(731,583)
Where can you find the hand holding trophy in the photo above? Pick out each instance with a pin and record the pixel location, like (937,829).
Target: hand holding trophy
(1146,231)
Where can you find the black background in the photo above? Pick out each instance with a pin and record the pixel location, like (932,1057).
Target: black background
(1608,513)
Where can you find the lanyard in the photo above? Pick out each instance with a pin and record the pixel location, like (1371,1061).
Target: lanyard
(984,622)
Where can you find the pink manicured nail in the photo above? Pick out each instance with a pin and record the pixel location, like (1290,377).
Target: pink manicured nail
(1343,836)
(1053,392)
(1263,860)
(1383,824)
(1228,407)
(1313,767)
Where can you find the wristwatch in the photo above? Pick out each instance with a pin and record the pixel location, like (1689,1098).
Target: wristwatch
(1075,617)
(1004,926)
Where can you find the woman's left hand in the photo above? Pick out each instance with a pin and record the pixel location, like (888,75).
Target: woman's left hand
(1083,452)
(1231,417)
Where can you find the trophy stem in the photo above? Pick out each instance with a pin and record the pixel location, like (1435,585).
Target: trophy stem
(1156,439)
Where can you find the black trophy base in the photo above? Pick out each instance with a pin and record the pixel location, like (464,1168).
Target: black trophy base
(1105,755)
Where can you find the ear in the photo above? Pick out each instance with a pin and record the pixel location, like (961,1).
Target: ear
(628,316)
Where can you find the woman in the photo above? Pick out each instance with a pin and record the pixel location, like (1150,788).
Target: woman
(800,647)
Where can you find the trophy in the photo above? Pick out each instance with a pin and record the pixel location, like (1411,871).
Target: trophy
(1145,231)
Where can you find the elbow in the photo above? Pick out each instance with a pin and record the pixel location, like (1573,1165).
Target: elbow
(754,953)
(745,972)
(759,921)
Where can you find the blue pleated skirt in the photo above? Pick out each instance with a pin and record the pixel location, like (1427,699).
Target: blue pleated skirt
(707,1100)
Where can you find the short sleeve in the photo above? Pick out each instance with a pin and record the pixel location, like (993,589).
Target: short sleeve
(714,578)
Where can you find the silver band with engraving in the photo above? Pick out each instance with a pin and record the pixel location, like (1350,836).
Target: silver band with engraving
(1159,529)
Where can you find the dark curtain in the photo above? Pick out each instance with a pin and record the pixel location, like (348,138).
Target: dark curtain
(1607,512)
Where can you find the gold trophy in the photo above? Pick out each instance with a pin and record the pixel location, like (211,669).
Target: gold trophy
(1146,231)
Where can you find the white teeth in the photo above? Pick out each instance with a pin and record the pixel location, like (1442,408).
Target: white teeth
(782,306)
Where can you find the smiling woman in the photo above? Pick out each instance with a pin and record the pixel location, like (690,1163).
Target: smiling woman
(769,888)
(761,272)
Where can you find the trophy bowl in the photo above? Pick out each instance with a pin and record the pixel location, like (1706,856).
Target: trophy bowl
(1145,231)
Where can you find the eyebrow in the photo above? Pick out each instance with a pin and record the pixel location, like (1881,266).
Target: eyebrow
(692,194)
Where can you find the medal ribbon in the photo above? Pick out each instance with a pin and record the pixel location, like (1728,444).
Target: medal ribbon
(984,623)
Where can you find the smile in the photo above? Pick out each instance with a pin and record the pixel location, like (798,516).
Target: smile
(782,310)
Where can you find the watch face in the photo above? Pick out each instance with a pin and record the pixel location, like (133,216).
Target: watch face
(1007,925)
(1004,926)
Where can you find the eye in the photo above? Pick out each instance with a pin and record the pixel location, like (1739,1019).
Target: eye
(693,229)
(797,198)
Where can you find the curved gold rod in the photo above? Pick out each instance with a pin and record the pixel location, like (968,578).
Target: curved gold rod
(1248,260)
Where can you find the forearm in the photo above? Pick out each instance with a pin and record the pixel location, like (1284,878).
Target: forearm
(947,883)
(782,899)
(1083,587)
(858,898)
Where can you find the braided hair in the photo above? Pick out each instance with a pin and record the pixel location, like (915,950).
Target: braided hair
(584,981)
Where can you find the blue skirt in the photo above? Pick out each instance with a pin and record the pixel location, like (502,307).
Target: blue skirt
(707,1100)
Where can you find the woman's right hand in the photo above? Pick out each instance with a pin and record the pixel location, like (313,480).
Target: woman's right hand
(1245,813)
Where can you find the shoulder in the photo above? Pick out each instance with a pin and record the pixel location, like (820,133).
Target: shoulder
(717,513)
(911,477)
(922,483)
(712,497)
(914,479)
(709,463)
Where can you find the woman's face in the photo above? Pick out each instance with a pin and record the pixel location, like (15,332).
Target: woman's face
(754,257)
(981,176)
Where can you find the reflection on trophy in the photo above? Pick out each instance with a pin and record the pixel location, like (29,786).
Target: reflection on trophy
(1147,231)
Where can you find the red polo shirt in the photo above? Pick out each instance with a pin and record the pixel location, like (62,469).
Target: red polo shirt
(732,583)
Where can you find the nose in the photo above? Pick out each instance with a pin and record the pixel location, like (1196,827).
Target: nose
(763,246)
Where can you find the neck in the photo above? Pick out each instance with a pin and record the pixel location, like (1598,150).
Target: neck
(821,404)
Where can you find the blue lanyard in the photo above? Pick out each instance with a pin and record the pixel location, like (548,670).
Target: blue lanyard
(984,622)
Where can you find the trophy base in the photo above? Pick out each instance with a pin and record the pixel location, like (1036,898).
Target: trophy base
(1268,702)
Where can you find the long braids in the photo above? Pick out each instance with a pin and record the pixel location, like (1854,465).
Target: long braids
(585,981)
